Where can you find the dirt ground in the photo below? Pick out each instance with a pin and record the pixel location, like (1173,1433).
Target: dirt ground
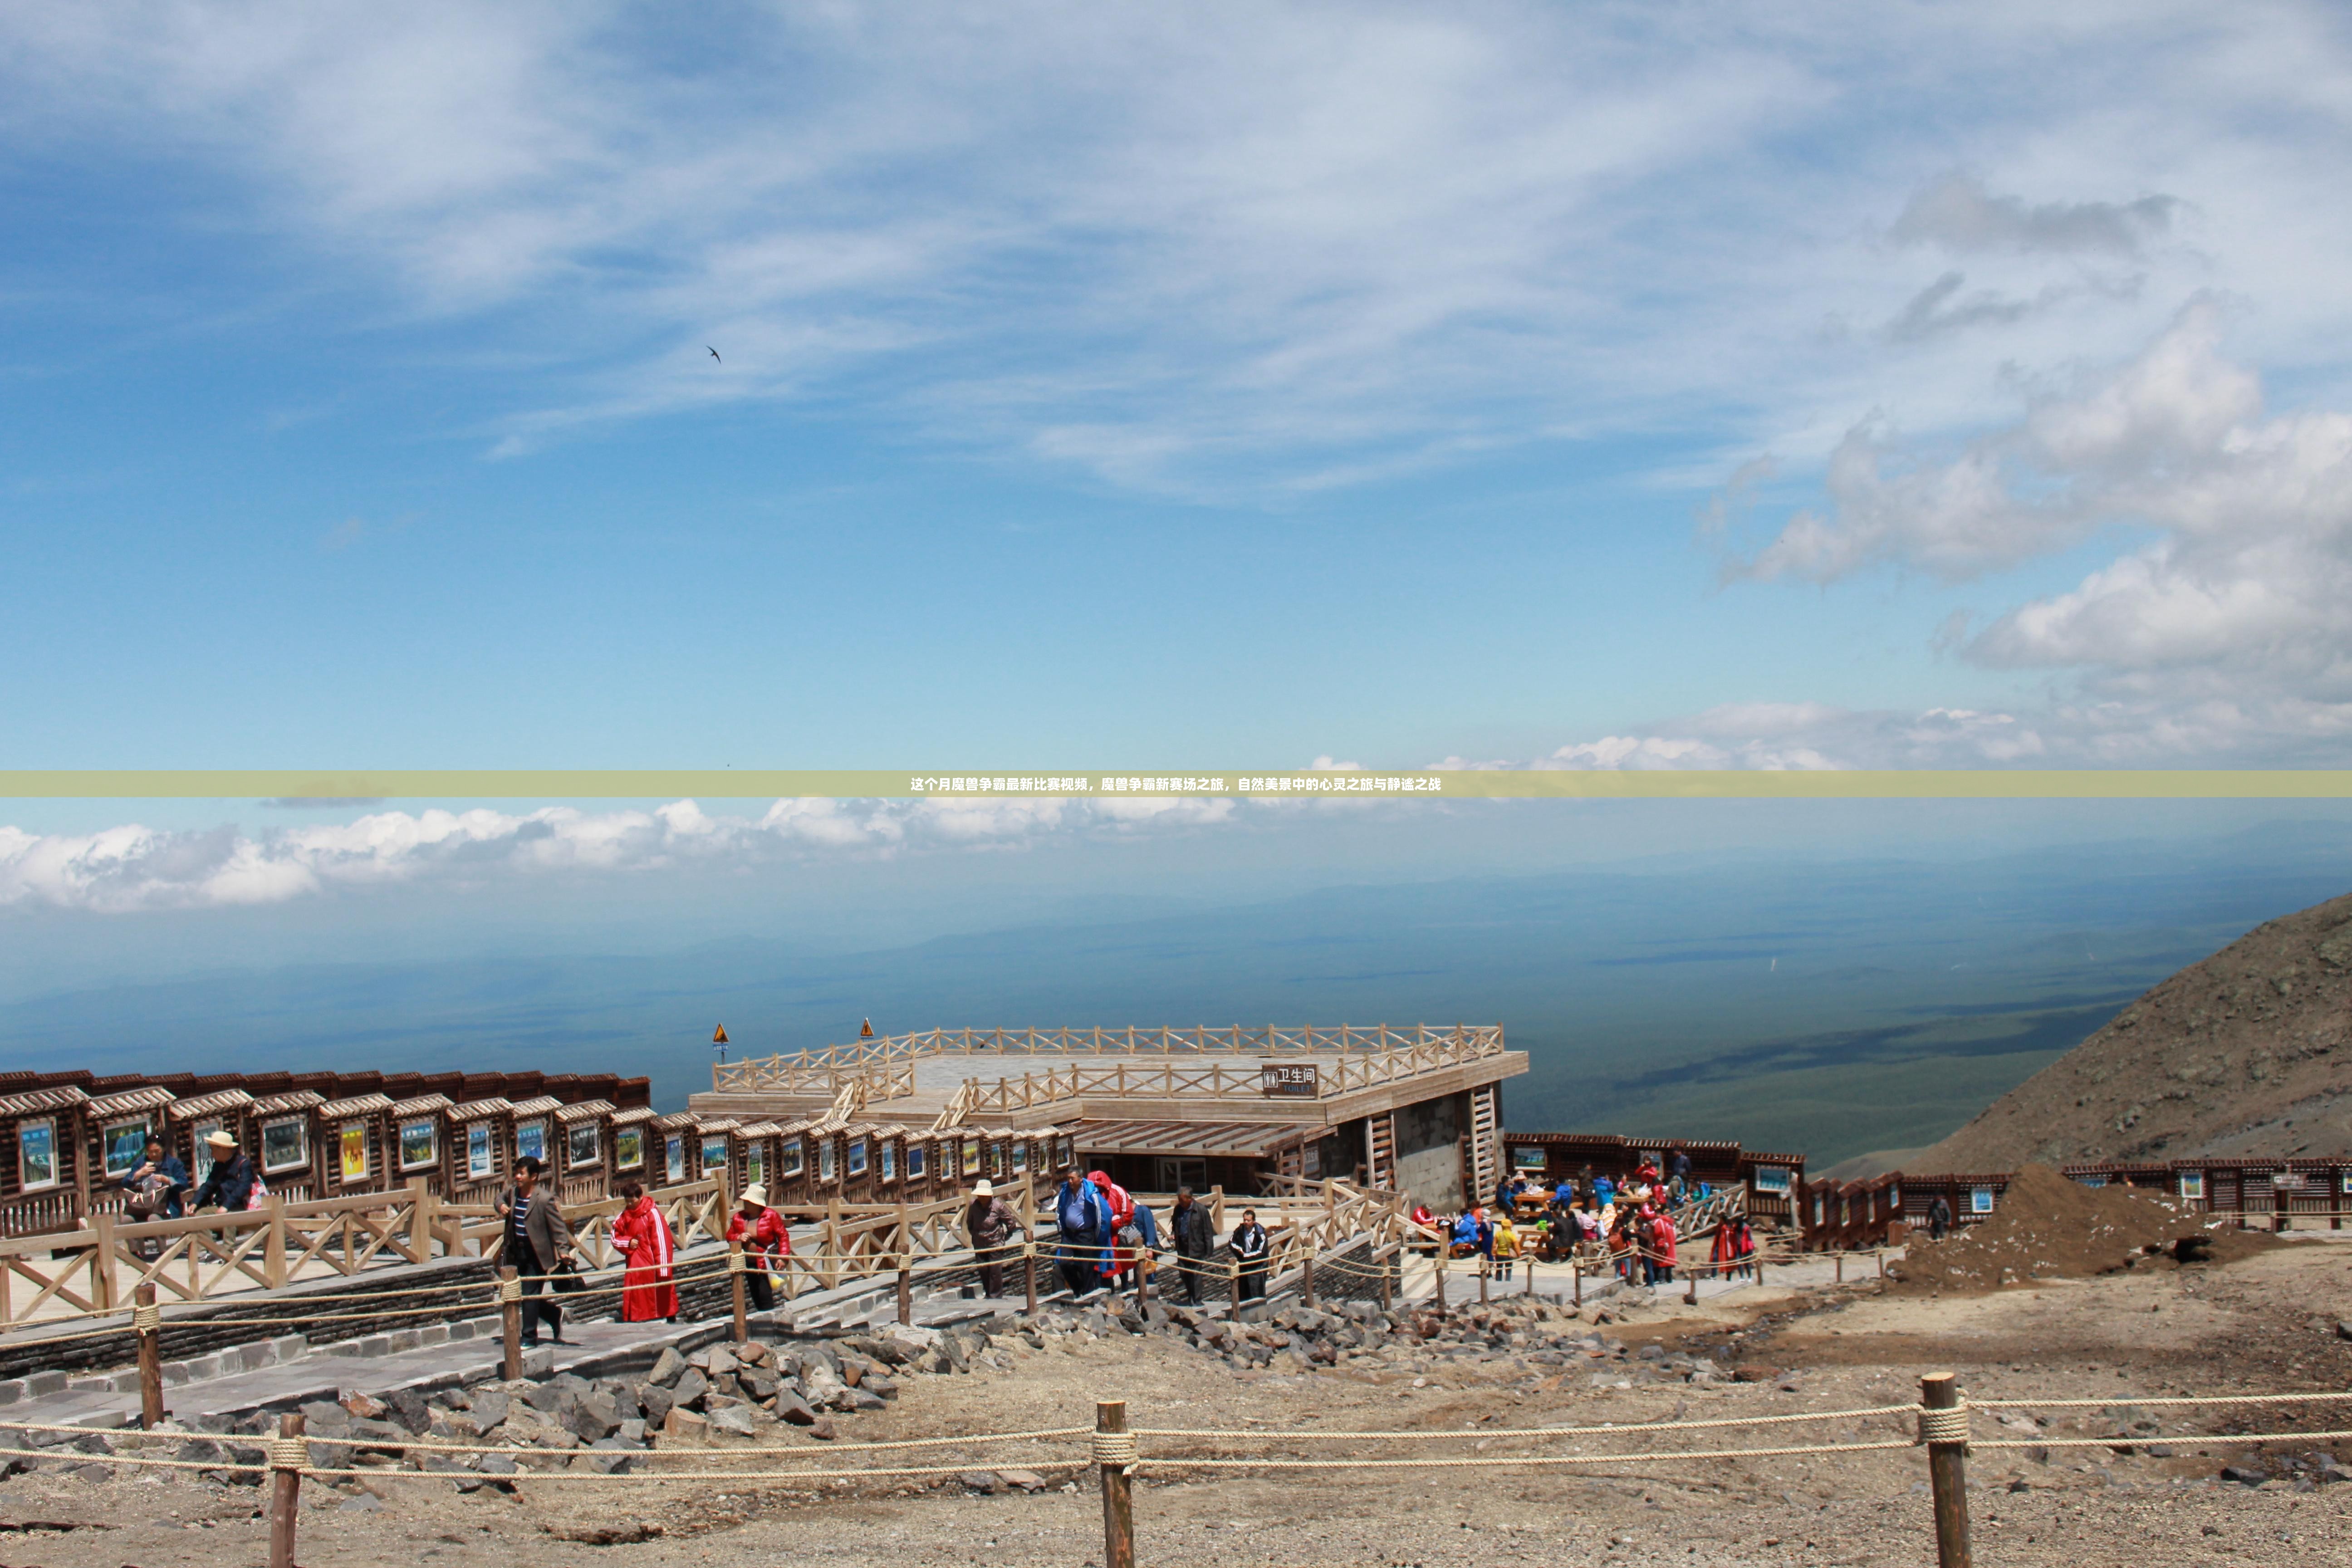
(2265,1323)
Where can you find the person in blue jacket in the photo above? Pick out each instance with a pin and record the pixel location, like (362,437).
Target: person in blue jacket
(1082,1225)
(159,1181)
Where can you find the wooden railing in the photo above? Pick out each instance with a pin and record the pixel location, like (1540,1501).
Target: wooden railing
(825,1069)
(212,1256)
(1217,1080)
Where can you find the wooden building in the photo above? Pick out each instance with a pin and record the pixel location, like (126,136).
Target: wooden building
(635,1155)
(477,1153)
(359,1155)
(44,1173)
(287,1147)
(583,1145)
(673,1140)
(419,1124)
(533,1127)
(1416,1108)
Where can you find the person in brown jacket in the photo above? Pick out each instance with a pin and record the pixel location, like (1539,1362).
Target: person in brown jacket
(988,1222)
(533,1238)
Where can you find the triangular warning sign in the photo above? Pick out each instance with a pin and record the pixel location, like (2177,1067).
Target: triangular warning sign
(865,1029)
(718,1036)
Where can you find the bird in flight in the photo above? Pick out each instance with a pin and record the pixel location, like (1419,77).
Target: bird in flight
(714,354)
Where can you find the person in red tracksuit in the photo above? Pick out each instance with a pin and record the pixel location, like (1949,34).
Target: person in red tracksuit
(641,1235)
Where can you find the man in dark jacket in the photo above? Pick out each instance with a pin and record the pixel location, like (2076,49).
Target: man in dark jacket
(1252,1252)
(990,1223)
(1195,1239)
(231,1179)
(1939,1219)
(533,1241)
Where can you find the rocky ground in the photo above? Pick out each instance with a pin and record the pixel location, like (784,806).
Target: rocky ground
(2161,1486)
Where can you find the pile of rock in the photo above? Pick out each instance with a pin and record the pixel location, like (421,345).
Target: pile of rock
(1536,1336)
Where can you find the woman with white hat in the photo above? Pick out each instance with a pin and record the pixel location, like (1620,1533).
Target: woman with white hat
(231,1180)
(765,1241)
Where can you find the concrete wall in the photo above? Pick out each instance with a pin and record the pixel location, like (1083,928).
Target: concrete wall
(1429,1151)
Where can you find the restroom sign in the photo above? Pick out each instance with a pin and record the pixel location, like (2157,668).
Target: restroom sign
(1288,1079)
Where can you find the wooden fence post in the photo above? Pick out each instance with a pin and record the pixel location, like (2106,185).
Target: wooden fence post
(1576,1277)
(1443,1247)
(273,1245)
(285,1491)
(1838,1264)
(736,1265)
(148,1318)
(1484,1267)
(102,1261)
(1114,1450)
(1388,1288)
(510,1321)
(1947,1470)
(1234,1279)
(1307,1278)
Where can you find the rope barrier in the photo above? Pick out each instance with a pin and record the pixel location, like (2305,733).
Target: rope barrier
(1944,1426)
(1603,1430)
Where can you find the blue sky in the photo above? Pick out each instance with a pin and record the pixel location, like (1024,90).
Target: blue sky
(1115,386)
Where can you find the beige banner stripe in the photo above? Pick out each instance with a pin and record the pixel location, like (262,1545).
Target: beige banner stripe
(616,783)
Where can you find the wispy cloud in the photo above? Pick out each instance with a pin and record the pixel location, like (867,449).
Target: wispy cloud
(1245,250)
(131,867)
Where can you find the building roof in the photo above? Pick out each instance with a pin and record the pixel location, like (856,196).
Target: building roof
(63,1097)
(678,1121)
(1246,1139)
(214,1104)
(422,1105)
(585,1109)
(357,1105)
(537,1106)
(294,1100)
(144,1099)
(480,1110)
(631,1115)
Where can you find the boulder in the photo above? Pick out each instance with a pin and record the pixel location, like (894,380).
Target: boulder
(489,1408)
(720,1360)
(594,1416)
(325,1419)
(358,1404)
(751,1352)
(1027,1480)
(691,1387)
(761,1384)
(682,1422)
(667,1368)
(734,1418)
(881,1387)
(657,1401)
(409,1410)
(858,1399)
(791,1408)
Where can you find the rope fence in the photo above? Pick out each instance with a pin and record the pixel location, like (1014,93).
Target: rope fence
(1941,1420)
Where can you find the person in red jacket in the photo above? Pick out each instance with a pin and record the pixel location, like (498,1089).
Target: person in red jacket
(1116,1260)
(766,1243)
(641,1235)
(1662,1247)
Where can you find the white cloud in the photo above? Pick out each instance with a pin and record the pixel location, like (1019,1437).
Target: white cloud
(1265,246)
(2231,628)
(1795,736)
(128,868)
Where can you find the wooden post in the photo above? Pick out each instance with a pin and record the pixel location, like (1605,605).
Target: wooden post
(1838,1263)
(1576,1273)
(1484,1268)
(102,1261)
(420,1215)
(148,1318)
(510,1321)
(1029,1275)
(1444,1246)
(906,1290)
(1690,1288)
(1387,1279)
(285,1497)
(273,1246)
(1119,1501)
(1947,1472)
(737,1267)
(1881,1255)
(1234,1279)
(1307,1276)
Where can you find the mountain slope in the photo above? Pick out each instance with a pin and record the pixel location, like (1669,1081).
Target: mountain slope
(2248,1052)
